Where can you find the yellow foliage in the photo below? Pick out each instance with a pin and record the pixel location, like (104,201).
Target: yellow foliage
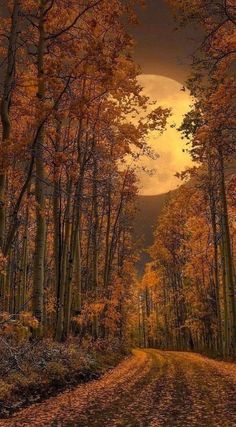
(28,320)
(56,370)
(5,390)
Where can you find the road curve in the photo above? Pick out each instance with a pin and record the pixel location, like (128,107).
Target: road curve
(151,389)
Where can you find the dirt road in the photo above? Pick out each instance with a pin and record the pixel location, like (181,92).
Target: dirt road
(151,389)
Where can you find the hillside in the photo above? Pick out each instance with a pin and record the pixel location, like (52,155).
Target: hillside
(148,210)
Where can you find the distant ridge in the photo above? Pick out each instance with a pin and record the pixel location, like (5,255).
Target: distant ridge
(148,211)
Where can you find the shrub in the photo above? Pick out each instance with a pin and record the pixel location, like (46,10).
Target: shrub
(5,390)
(56,370)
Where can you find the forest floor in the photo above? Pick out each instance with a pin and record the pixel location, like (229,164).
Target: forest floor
(153,388)
(35,371)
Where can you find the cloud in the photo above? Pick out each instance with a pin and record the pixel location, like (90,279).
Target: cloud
(169,146)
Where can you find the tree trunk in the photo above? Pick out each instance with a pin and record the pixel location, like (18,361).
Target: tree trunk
(228,262)
(64,262)
(5,106)
(38,276)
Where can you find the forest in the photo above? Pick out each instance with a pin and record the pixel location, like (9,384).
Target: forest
(187,298)
(74,123)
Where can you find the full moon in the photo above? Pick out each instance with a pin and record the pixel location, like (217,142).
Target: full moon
(169,147)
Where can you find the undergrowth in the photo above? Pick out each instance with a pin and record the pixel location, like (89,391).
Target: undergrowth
(31,371)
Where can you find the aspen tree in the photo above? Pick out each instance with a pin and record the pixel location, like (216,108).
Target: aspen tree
(8,88)
(40,240)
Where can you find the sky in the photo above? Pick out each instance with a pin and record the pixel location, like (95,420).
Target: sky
(164,55)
